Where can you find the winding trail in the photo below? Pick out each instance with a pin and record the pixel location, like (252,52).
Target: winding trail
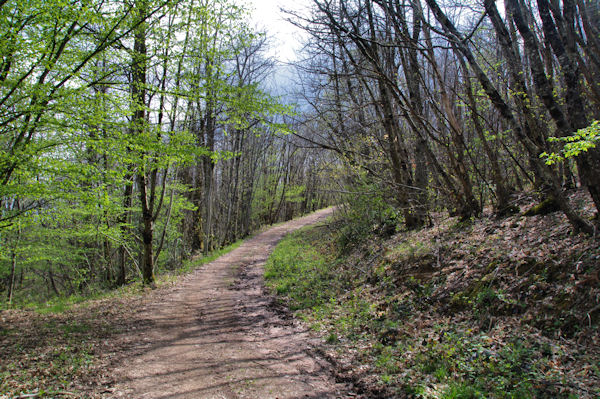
(217,335)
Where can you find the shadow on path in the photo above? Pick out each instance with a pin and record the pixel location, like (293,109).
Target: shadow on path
(216,336)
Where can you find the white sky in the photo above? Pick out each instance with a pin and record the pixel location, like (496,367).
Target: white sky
(285,38)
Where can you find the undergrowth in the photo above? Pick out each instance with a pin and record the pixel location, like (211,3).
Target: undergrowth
(389,311)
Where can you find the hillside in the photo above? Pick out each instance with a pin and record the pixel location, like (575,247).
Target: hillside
(494,308)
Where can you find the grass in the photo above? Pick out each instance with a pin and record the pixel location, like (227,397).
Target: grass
(300,273)
(462,391)
(200,260)
(63,303)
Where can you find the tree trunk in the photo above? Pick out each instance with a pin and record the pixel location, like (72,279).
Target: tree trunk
(11,279)
(123,220)
(139,123)
(527,138)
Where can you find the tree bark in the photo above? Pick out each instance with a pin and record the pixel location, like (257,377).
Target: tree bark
(139,124)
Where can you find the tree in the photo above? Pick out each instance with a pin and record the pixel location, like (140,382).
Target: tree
(405,80)
(121,124)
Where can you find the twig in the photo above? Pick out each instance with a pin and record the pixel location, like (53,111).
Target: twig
(589,312)
(36,394)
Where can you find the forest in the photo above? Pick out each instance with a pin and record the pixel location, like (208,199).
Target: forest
(134,135)
(139,135)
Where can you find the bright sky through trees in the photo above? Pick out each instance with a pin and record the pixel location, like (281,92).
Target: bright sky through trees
(286,39)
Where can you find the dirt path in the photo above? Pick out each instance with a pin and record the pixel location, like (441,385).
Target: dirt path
(217,336)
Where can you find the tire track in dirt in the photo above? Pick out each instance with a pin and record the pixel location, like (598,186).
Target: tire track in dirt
(217,335)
